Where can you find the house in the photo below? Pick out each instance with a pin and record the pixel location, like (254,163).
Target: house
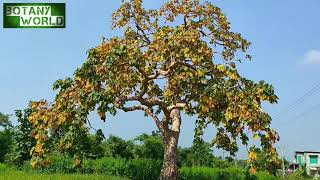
(308,159)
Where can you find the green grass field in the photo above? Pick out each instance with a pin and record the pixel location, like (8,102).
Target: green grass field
(18,175)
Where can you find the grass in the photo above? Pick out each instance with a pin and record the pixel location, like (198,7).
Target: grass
(19,175)
(8,173)
(231,173)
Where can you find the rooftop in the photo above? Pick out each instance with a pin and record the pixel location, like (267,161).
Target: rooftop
(298,152)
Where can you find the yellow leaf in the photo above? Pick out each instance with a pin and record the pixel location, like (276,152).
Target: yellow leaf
(34,163)
(253,170)
(46,162)
(221,67)
(39,148)
(77,162)
(205,109)
(256,137)
(252,156)
(102,115)
(228,115)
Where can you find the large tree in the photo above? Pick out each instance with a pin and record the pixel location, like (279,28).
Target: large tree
(181,58)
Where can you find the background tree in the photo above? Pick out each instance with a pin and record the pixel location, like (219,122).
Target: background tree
(117,147)
(22,140)
(263,163)
(5,136)
(77,142)
(5,122)
(180,58)
(149,146)
(199,154)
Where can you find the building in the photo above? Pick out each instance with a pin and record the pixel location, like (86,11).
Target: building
(310,160)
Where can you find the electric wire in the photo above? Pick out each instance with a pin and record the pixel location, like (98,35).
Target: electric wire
(315,89)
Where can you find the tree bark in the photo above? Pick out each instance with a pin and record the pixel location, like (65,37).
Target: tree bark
(171,137)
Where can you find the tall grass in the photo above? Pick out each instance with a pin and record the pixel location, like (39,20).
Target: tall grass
(9,173)
(19,175)
(113,168)
(135,169)
(232,173)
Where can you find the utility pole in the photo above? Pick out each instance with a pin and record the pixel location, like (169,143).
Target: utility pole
(282,153)
(283,169)
(222,154)
(235,160)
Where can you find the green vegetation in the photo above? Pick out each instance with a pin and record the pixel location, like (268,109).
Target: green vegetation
(114,157)
(231,173)
(139,158)
(18,175)
(109,168)
(9,173)
(130,168)
(5,136)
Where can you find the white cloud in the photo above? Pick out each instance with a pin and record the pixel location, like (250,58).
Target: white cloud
(312,57)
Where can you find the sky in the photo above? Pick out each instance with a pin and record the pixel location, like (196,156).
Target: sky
(285,48)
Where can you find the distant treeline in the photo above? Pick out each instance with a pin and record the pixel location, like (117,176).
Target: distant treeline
(140,157)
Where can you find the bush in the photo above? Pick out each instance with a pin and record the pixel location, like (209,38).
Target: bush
(232,173)
(59,164)
(144,169)
(133,168)
(265,176)
(298,175)
(138,169)
(110,166)
(4,168)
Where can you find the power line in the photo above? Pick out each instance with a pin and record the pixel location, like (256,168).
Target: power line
(307,111)
(294,104)
(304,113)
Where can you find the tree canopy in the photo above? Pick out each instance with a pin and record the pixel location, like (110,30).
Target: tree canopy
(182,57)
(5,121)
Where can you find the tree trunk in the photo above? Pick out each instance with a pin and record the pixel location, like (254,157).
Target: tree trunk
(169,168)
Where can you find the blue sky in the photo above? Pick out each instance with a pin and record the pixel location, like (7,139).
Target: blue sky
(285,48)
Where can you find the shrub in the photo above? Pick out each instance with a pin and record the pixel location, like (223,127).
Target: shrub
(133,168)
(265,176)
(138,169)
(232,173)
(298,175)
(144,169)
(4,168)
(110,166)
(59,164)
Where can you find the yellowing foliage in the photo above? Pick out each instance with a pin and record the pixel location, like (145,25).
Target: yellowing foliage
(159,68)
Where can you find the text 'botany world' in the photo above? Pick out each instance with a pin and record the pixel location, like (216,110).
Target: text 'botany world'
(34,15)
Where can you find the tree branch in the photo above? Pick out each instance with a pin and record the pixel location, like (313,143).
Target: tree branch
(147,110)
(177,105)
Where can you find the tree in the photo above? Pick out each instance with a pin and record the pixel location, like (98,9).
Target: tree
(5,136)
(263,163)
(23,141)
(5,143)
(199,154)
(5,121)
(180,58)
(83,143)
(149,146)
(117,147)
